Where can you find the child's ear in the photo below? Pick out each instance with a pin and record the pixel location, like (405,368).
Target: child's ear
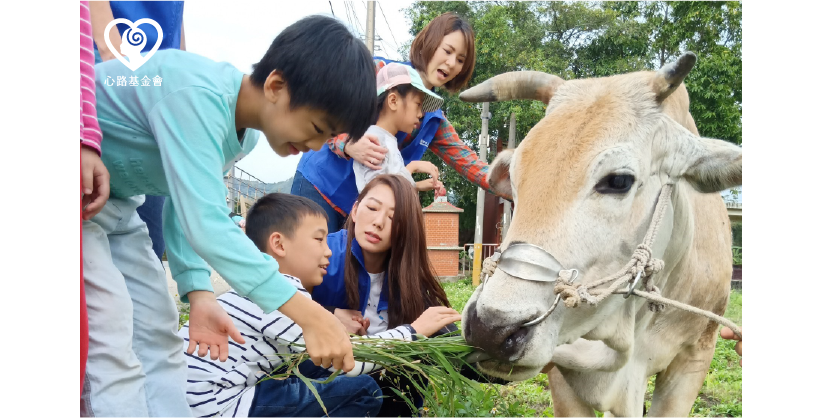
(392,101)
(274,83)
(276,243)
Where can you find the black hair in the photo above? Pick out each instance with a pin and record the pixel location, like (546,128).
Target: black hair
(278,212)
(402,89)
(326,68)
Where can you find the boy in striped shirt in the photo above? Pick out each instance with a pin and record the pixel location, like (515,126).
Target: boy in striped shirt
(293,230)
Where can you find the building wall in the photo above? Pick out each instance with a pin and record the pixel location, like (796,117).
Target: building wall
(444,262)
(442,231)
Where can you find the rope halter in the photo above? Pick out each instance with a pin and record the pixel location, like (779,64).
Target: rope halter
(531,262)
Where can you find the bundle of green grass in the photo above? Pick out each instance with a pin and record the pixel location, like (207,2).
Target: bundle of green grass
(430,365)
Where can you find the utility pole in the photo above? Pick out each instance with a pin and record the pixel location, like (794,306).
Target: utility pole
(479,215)
(369,27)
(508,213)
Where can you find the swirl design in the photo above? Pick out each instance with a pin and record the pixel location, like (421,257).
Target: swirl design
(135,37)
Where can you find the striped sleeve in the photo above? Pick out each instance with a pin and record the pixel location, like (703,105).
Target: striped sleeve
(337,145)
(402,332)
(90,132)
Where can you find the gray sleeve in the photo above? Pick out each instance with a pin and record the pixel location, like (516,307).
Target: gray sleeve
(363,175)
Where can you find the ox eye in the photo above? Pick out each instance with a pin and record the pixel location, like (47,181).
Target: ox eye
(615,183)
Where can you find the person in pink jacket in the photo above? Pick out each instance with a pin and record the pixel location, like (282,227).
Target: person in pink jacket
(95,180)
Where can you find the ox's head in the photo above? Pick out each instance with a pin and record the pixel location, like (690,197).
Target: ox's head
(585,182)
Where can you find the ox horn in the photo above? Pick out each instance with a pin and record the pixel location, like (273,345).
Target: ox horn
(671,75)
(529,85)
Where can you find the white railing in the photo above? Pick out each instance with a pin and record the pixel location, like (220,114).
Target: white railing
(465,260)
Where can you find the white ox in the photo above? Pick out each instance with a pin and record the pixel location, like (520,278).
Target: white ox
(585,182)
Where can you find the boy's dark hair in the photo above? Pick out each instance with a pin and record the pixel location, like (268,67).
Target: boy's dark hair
(278,212)
(326,68)
(402,89)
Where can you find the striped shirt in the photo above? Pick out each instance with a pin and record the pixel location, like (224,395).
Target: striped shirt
(90,131)
(227,388)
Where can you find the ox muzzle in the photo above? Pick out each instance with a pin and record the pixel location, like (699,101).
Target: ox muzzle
(500,339)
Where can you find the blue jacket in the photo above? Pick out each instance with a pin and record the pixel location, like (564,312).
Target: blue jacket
(167,14)
(333,176)
(331,292)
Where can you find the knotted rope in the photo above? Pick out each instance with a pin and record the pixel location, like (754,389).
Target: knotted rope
(641,265)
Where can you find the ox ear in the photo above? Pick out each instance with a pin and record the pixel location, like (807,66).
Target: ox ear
(709,165)
(499,173)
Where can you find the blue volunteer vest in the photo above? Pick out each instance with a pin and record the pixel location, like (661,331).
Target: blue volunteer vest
(167,14)
(331,291)
(334,177)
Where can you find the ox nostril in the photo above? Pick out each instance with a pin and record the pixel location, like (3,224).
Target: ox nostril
(501,342)
(513,344)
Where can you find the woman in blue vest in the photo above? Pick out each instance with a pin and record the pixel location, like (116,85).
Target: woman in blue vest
(443,53)
(379,271)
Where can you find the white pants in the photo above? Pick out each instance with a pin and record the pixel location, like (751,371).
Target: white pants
(135,365)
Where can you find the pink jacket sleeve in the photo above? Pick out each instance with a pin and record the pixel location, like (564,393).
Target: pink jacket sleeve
(90,131)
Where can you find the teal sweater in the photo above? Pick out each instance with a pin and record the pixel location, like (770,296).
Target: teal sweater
(177,140)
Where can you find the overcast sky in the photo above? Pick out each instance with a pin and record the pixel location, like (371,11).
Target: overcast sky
(240,32)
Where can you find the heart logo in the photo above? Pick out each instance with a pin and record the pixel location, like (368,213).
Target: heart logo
(133,41)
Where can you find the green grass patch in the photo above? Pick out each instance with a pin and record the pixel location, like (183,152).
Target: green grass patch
(720,395)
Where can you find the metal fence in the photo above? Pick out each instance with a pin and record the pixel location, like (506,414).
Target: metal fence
(466,257)
(243,189)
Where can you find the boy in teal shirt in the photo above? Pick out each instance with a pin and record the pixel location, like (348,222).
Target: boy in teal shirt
(177,139)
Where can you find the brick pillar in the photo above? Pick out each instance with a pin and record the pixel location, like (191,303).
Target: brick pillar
(441,220)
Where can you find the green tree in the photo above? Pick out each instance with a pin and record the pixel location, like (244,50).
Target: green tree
(589,39)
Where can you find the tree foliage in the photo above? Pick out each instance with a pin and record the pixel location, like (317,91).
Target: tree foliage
(590,39)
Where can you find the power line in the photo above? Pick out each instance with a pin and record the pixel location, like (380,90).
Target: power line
(347,15)
(396,51)
(355,17)
(384,49)
(397,44)
(351,21)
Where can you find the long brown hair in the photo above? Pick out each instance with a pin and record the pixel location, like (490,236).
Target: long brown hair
(428,40)
(412,287)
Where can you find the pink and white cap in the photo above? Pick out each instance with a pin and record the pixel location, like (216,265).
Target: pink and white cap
(394,74)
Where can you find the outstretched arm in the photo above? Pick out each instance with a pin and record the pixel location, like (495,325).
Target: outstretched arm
(453,151)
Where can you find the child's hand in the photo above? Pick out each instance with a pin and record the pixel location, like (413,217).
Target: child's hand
(325,337)
(95,183)
(367,151)
(353,321)
(728,334)
(210,326)
(434,319)
(423,167)
(429,185)
(440,192)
